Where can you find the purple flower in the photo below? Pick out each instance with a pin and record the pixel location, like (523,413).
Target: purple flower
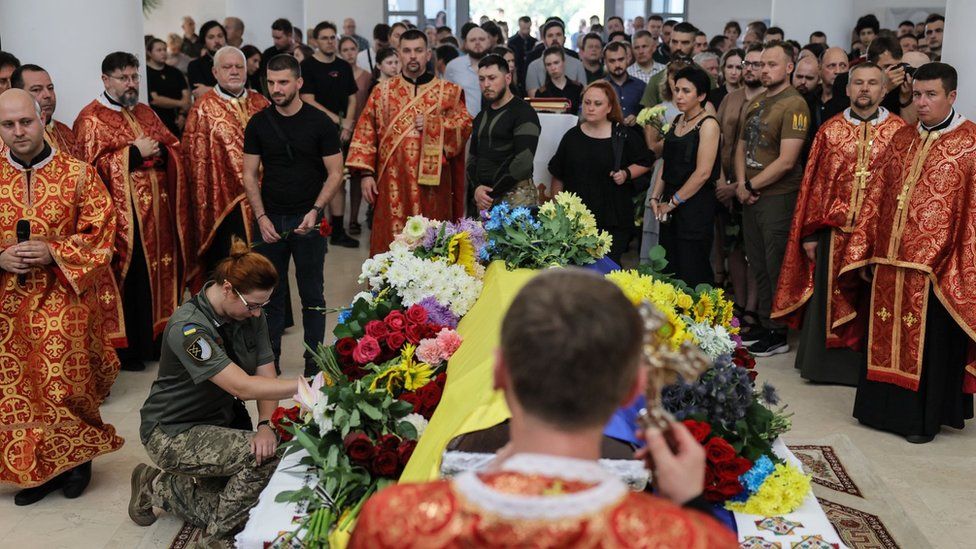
(430,237)
(437,313)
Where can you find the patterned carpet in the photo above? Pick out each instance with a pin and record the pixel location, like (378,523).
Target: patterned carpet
(853,497)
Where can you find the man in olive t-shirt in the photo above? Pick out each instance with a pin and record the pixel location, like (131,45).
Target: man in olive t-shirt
(768,172)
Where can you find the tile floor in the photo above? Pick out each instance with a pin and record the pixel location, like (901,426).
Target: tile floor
(935,483)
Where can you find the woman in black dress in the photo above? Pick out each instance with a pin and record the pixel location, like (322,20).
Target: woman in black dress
(683,197)
(599,161)
(557,83)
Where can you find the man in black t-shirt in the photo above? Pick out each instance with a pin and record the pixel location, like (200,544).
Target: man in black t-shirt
(200,71)
(330,87)
(298,147)
(504,138)
(282,42)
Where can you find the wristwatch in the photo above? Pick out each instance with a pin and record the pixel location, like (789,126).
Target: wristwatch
(266,422)
(318,210)
(749,188)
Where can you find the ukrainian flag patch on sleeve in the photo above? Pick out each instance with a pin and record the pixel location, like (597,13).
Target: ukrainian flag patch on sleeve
(189,329)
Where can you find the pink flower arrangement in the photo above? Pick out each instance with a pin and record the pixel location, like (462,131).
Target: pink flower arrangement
(439,349)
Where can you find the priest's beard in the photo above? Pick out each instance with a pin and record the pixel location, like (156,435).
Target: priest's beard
(129,98)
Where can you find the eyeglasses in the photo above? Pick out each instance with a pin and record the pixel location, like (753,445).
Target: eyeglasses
(251,306)
(126,79)
(752,64)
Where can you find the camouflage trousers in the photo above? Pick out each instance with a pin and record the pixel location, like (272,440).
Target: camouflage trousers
(210,477)
(523,194)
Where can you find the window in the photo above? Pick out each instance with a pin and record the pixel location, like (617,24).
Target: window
(426,12)
(669,9)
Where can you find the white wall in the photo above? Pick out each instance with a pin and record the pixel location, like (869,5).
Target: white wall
(957,51)
(86,32)
(367,13)
(711,15)
(168,17)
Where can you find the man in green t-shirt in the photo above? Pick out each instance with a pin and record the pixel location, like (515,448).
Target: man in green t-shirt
(768,172)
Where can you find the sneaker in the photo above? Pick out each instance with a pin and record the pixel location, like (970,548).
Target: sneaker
(140,498)
(344,240)
(753,336)
(355,229)
(772,344)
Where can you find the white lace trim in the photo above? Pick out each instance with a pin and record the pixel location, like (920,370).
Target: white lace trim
(882,116)
(103,99)
(35,167)
(227,97)
(609,488)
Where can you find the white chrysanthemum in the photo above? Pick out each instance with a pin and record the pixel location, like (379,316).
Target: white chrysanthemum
(322,415)
(713,340)
(363,295)
(418,421)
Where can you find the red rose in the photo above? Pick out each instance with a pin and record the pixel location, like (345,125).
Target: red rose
(325,229)
(354,371)
(395,321)
(718,450)
(710,477)
(366,350)
(699,429)
(729,488)
(412,398)
(284,417)
(345,346)
(728,470)
(388,442)
(385,463)
(430,395)
(416,314)
(744,359)
(377,329)
(414,332)
(742,465)
(405,450)
(359,448)
(395,340)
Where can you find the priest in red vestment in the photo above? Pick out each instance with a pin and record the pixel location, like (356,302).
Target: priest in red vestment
(546,487)
(213,146)
(409,146)
(37,82)
(916,240)
(57,227)
(140,161)
(846,152)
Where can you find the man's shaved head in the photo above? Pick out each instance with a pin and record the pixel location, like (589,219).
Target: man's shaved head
(21,125)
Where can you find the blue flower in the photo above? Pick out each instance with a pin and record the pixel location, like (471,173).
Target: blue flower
(344,316)
(755,477)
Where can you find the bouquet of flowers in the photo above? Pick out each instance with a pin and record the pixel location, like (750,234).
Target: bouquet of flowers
(654,117)
(562,233)
(736,422)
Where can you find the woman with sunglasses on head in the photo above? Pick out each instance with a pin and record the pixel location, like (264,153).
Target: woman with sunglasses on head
(216,353)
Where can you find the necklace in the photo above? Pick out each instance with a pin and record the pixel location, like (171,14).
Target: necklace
(686,120)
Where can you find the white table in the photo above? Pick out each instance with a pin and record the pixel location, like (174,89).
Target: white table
(269,519)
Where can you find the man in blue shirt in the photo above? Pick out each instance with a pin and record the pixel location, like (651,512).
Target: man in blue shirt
(463,71)
(629,89)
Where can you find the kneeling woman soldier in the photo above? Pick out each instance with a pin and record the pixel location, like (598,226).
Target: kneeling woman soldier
(215,349)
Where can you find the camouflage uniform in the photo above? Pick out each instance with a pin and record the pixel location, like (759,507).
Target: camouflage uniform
(193,430)
(523,194)
(210,477)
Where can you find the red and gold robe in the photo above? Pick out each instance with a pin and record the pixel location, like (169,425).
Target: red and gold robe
(920,235)
(526,509)
(60,136)
(56,358)
(846,155)
(417,173)
(213,146)
(104,132)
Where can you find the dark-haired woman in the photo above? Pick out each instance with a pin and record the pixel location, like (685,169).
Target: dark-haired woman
(169,94)
(557,84)
(683,196)
(216,353)
(599,160)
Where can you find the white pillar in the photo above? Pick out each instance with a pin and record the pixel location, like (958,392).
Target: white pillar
(259,14)
(957,51)
(798,18)
(70,39)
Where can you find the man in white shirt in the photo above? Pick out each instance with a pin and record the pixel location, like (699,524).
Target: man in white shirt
(463,70)
(366,58)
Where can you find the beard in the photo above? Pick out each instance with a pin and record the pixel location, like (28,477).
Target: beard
(477,55)
(753,84)
(129,98)
(863,102)
(283,100)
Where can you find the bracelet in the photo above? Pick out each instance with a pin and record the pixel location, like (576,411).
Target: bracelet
(629,175)
(677,199)
(262,215)
(750,188)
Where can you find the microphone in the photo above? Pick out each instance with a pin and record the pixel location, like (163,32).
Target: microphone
(23,235)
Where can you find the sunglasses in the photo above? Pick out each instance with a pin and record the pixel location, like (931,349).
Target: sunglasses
(251,306)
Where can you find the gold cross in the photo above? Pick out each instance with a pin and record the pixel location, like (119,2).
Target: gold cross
(884,314)
(106,297)
(167,260)
(910,319)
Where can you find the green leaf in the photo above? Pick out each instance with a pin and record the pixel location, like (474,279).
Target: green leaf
(342,331)
(406,430)
(309,444)
(370,411)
